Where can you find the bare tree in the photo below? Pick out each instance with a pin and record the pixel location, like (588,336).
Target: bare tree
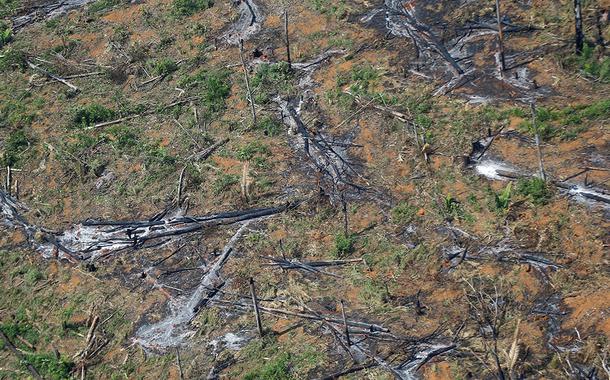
(580,37)
(502,61)
(488,308)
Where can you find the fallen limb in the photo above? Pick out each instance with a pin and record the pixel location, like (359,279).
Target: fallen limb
(20,356)
(53,76)
(208,151)
(371,327)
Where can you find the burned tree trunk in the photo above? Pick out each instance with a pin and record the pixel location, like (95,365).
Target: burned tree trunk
(580,37)
(501,60)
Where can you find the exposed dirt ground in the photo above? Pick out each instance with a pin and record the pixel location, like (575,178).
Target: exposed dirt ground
(453,217)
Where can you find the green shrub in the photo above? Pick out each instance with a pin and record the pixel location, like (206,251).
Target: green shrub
(269,126)
(594,67)
(403,213)
(334,8)
(270,80)
(8,7)
(276,369)
(344,245)
(91,114)
(536,189)
(164,66)
(214,88)
(11,59)
(502,199)
(16,143)
(103,5)
(6,34)
(50,366)
(224,182)
(22,328)
(250,150)
(190,7)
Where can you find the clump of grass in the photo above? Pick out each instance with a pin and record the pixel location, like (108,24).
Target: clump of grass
(269,126)
(164,66)
(250,150)
(502,199)
(190,7)
(8,7)
(50,366)
(14,146)
(344,245)
(337,9)
(91,114)
(11,59)
(224,182)
(6,34)
(403,213)
(535,189)
(568,122)
(276,369)
(271,79)
(102,5)
(214,87)
(592,64)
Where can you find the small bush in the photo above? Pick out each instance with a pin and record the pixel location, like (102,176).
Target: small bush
(270,80)
(16,143)
(190,7)
(502,199)
(11,59)
(50,366)
(165,66)
(103,5)
(6,34)
(269,126)
(224,182)
(536,189)
(403,213)
(344,245)
(88,115)
(249,151)
(215,88)
(276,369)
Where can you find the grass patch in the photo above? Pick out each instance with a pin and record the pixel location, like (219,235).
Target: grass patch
(251,150)
(11,59)
(403,213)
(344,245)
(14,147)
(271,80)
(502,199)
(593,64)
(568,122)
(535,189)
(224,182)
(103,5)
(6,34)
(190,7)
(213,86)
(269,126)
(91,114)
(164,66)
(51,367)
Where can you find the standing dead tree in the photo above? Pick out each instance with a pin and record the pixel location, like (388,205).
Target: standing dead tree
(538,149)
(579,34)
(488,307)
(501,59)
(287,39)
(250,97)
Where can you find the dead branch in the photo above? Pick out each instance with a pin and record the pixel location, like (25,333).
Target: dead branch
(53,76)
(208,151)
(20,356)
